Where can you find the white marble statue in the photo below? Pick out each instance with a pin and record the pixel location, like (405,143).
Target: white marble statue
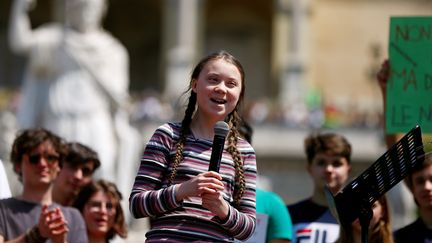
(76,82)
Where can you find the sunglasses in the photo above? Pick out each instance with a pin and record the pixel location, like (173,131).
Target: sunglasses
(50,158)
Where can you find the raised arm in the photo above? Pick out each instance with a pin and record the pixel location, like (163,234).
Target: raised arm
(20,32)
(382,76)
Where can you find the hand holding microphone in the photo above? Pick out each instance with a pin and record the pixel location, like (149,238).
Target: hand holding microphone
(208,182)
(214,201)
(221,130)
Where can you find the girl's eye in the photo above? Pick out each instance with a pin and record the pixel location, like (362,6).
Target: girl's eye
(213,80)
(232,84)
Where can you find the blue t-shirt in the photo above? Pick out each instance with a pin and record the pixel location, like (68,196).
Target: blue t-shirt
(279,220)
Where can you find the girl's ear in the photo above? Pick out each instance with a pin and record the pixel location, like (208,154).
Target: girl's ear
(194,85)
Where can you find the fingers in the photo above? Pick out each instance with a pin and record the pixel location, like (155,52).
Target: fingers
(209,185)
(215,203)
(383,73)
(207,182)
(211,174)
(209,190)
(57,223)
(211,200)
(52,222)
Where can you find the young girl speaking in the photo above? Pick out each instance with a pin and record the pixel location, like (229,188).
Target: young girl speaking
(185,201)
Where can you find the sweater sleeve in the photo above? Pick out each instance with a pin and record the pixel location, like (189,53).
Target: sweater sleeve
(241,221)
(149,198)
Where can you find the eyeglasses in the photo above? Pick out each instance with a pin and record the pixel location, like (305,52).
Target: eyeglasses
(96,206)
(50,158)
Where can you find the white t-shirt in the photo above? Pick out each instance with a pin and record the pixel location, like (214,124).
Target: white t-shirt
(4,184)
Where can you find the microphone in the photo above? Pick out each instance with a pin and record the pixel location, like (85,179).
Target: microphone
(221,130)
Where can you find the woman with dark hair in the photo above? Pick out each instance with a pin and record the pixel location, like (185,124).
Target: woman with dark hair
(99,204)
(419,181)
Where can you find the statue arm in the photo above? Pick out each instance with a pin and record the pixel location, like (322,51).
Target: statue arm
(20,32)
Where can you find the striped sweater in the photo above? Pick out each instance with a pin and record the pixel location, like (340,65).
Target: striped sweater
(187,220)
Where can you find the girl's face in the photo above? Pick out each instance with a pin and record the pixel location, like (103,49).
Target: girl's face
(330,170)
(99,214)
(377,209)
(218,89)
(422,187)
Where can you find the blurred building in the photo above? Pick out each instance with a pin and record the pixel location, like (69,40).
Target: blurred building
(297,54)
(286,46)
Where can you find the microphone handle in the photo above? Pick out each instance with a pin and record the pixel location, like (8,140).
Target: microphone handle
(216,155)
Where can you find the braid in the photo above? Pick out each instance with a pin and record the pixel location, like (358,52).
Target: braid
(240,183)
(184,131)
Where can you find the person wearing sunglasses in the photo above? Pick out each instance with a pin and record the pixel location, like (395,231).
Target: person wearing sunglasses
(77,171)
(32,216)
(99,203)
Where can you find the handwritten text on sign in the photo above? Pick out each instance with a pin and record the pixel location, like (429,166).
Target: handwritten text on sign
(409,92)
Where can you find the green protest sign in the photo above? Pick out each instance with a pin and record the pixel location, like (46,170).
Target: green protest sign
(409,90)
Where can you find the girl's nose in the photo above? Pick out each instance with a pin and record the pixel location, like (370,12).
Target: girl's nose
(221,87)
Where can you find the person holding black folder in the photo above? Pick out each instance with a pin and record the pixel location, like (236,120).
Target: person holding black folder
(379,226)
(419,183)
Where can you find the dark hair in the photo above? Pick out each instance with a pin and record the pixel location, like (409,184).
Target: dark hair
(233,119)
(110,188)
(78,154)
(327,143)
(426,163)
(246,131)
(29,139)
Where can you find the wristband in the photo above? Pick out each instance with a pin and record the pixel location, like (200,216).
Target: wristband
(33,236)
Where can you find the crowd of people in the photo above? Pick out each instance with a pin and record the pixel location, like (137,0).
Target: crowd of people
(55,176)
(62,200)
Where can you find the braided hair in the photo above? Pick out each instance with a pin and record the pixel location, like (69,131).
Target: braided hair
(233,120)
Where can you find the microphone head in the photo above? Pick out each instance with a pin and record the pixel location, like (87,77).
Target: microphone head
(221,129)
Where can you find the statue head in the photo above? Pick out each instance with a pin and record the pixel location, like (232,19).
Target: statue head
(85,15)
